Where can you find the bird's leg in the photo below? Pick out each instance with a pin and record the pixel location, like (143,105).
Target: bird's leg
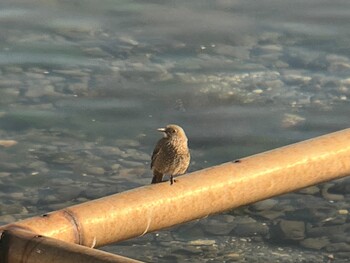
(172,180)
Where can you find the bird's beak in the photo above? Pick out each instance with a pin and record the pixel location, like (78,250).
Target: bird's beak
(161,129)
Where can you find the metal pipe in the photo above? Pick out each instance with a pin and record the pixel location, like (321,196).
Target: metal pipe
(18,246)
(153,207)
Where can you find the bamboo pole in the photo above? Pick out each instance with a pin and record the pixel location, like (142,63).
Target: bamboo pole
(153,207)
(17,245)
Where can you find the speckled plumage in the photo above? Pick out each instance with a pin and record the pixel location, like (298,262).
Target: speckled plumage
(171,155)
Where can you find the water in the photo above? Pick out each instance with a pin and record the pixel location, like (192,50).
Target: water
(84,85)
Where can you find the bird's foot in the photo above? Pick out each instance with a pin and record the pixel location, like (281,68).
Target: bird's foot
(172,180)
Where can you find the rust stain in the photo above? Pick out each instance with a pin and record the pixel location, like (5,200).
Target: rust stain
(76,225)
(30,248)
(6,240)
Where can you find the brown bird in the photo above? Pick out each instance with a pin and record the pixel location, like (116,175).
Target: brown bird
(171,155)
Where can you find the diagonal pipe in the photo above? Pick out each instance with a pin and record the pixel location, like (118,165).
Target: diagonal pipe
(153,207)
(18,246)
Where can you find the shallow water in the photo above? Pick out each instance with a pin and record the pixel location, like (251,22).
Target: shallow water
(84,85)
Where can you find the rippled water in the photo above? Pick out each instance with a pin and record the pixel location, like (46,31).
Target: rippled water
(84,85)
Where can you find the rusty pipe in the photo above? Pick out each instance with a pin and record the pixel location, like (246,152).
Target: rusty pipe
(196,195)
(18,246)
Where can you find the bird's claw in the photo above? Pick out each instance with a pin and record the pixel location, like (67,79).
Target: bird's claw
(172,180)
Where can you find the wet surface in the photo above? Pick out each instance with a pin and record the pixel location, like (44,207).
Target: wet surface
(84,85)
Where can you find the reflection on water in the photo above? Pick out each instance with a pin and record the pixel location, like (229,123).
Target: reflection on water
(84,85)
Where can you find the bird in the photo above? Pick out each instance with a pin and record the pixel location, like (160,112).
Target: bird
(171,155)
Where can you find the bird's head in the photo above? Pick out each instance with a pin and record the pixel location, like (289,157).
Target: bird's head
(173,131)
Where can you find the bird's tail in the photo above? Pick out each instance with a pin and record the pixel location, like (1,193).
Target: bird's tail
(157,177)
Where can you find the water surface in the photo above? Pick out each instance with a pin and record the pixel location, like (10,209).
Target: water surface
(84,85)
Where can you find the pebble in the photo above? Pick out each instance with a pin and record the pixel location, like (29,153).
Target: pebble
(110,151)
(16,195)
(68,193)
(95,192)
(226,218)
(6,219)
(233,256)
(130,163)
(343,212)
(202,242)
(234,51)
(314,243)
(216,227)
(185,250)
(35,92)
(35,73)
(37,165)
(126,172)
(328,231)
(342,255)
(9,95)
(330,196)
(4,174)
(13,69)
(164,236)
(267,204)
(78,88)
(48,199)
(189,231)
(312,214)
(137,155)
(269,214)
(292,120)
(96,52)
(288,230)
(127,143)
(335,247)
(341,187)
(12,209)
(95,170)
(10,83)
(71,72)
(62,181)
(251,229)
(312,190)
(115,166)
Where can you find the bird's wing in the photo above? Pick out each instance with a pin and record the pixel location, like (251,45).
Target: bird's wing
(156,151)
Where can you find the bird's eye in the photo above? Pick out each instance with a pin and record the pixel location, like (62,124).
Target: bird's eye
(172,131)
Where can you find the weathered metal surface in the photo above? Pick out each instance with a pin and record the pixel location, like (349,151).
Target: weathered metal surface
(20,246)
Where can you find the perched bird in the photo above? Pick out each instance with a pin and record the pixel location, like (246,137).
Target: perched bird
(171,155)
